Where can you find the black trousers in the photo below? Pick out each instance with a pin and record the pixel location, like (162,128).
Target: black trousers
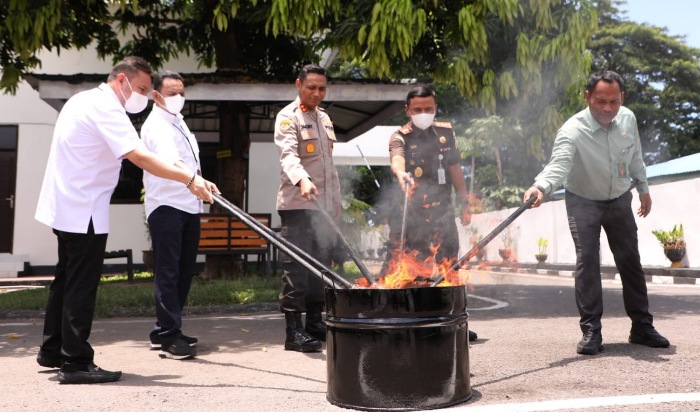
(175,238)
(72,295)
(586,217)
(309,230)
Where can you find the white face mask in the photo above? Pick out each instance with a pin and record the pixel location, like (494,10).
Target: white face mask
(173,104)
(136,102)
(423,120)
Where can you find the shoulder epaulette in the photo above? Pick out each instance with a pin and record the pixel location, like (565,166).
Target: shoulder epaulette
(405,130)
(446,125)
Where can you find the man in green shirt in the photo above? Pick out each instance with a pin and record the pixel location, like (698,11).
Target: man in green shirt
(597,155)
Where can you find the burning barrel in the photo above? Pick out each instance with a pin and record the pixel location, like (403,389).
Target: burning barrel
(397,349)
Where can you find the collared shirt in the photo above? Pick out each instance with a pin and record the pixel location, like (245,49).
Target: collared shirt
(92,135)
(305,142)
(167,136)
(428,154)
(594,162)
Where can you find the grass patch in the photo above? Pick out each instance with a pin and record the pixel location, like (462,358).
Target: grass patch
(117,297)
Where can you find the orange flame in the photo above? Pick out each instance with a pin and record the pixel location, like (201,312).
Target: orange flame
(408,270)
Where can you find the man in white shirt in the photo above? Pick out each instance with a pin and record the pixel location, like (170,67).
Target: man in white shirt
(93,134)
(173,215)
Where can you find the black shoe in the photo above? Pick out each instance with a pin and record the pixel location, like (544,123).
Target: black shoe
(156,343)
(591,343)
(314,322)
(473,336)
(297,338)
(648,336)
(178,349)
(92,374)
(317,330)
(48,361)
(301,341)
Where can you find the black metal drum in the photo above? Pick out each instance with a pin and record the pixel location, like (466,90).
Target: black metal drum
(397,349)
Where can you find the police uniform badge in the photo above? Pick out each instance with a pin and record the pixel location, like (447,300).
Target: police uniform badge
(418,172)
(285,124)
(442,139)
(310,147)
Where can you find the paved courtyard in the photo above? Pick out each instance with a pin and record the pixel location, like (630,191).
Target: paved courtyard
(524,360)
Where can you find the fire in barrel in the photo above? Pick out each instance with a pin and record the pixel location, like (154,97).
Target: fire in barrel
(400,344)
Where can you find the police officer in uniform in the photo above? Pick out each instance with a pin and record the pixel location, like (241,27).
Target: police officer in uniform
(423,154)
(304,136)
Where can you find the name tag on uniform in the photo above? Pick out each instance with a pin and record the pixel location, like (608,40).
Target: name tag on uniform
(623,170)
(441,176)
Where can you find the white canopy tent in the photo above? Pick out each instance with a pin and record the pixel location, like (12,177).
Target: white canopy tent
(373,144)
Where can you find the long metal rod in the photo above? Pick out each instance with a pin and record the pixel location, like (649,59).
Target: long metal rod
(351,251)
(319,270)
(402,243)
(376,182)
(483,242)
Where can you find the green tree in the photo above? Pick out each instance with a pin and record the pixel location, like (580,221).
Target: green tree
(662,76)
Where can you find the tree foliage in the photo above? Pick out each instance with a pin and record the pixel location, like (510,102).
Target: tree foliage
(507,57)
(662,76)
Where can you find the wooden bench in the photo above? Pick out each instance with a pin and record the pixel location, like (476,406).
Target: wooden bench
(223,234)
(125,253)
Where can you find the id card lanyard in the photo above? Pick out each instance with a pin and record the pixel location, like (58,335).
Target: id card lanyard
(187,139)
(441,171)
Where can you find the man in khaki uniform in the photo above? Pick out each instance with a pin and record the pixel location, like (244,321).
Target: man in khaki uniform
(304,135)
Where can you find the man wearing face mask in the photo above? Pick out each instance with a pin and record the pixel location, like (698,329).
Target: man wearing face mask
(423,155)
(93,134)
(172,214)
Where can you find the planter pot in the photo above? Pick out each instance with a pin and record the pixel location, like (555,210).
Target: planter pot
(541,258)
(675,256)
(506,254)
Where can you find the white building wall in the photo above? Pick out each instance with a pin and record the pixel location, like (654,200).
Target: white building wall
(264,179)
(35,120)
(673,203)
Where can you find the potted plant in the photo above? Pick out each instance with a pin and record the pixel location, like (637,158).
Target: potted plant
(542,244)
(507,238)
(673,244)
(473,240)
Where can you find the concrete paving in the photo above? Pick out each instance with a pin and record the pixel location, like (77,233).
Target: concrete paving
(524,359)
